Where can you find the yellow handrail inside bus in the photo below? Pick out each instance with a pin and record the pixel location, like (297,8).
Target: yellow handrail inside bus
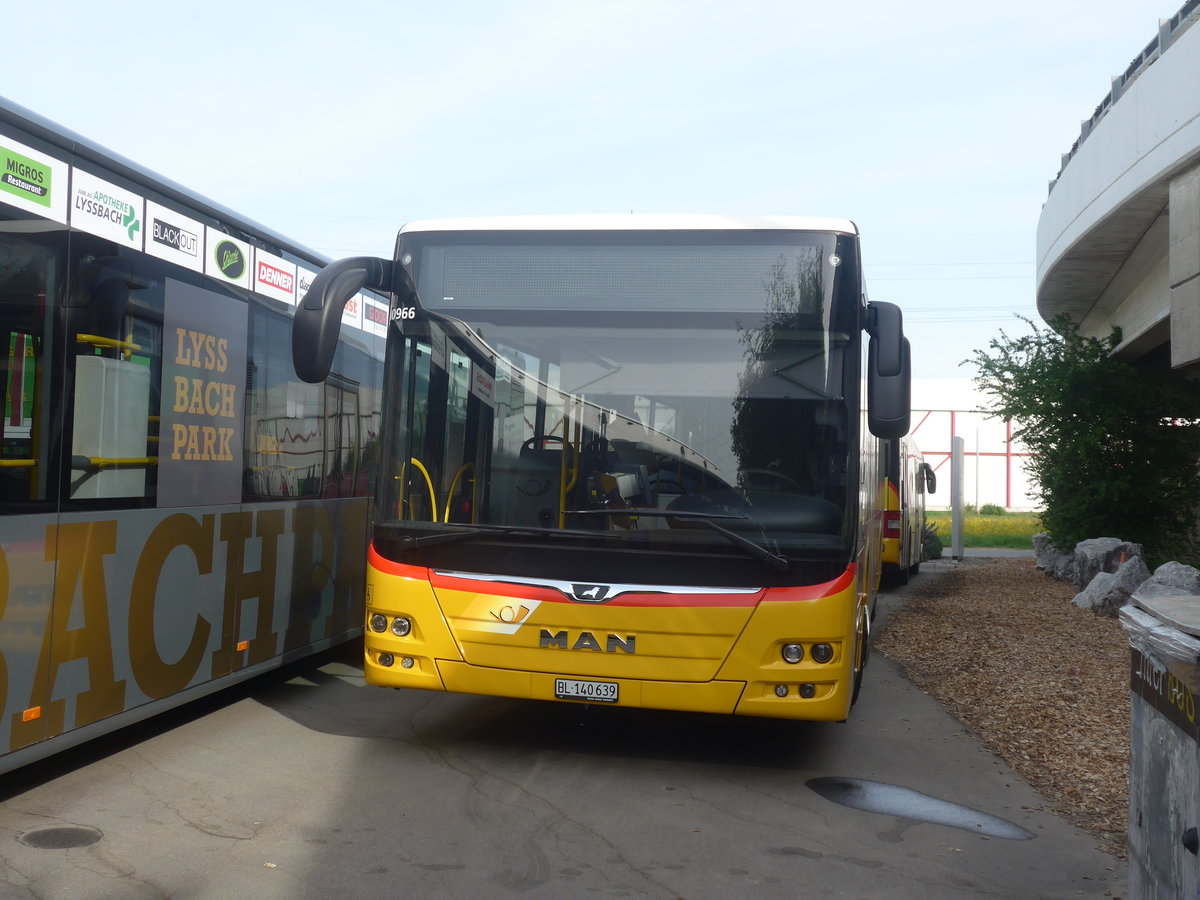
(450,496)
(18,463)
(105,462)
(428,483)
(93,465)
(575,456)
(565,486)
(126,347)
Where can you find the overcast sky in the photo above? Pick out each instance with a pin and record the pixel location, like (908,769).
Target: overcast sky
(935,126)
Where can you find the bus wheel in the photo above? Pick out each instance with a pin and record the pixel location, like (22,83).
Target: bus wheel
(894,574)
(902,569)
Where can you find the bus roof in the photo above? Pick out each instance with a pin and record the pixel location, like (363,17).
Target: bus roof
(88,151)
(635,222)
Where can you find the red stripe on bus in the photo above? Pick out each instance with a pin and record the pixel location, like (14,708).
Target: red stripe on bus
(391,567)
(498,588)
(647,598)
(813,591)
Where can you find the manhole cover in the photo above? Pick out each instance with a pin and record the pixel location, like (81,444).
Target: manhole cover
(60,837)
(893,800)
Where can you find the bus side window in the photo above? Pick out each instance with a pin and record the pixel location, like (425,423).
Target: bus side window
(19,462)
(30,275)
(111,424)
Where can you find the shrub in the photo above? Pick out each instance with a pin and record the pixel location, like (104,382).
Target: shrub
(1112,446)
(991,509)
(932,548)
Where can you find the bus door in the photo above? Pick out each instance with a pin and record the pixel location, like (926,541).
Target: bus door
(30,278)
(446,408)
(470,394)
(115,343)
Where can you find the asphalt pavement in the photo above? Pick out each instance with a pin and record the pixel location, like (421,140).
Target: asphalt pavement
(310,785)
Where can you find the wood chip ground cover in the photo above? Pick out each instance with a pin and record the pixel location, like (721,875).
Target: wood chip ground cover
(1043,683)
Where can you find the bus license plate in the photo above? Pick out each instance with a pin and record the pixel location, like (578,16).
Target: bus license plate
(598,691)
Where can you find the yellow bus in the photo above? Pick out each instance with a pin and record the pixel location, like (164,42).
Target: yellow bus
(178,512)
(626,459)
(907,479)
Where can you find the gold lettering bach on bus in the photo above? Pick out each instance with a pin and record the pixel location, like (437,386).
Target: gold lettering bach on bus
(85,622)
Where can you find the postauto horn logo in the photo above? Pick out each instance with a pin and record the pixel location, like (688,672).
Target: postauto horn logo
(230,259)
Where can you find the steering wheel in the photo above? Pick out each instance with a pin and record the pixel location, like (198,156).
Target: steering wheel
(770,480)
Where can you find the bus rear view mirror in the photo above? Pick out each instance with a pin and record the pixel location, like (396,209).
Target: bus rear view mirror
(318,316)
(889,367)
(930,478)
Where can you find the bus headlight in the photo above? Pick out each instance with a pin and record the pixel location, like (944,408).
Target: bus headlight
(386,659)
(401,626)
(793,653)
(822,653)
(379,622)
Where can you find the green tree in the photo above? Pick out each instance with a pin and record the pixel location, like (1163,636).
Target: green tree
(1114,446)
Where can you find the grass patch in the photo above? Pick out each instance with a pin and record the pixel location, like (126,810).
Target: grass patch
(1010,530)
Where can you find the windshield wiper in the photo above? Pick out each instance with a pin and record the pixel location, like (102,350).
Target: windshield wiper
(652,513)
(449,537)
(754,549)
(444,537)
(758,551)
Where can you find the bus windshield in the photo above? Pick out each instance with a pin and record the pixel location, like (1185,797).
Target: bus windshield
(626,391)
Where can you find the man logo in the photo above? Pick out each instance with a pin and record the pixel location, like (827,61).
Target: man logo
(586,640)
(590,593)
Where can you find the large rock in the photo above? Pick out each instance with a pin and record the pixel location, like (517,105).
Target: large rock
(1044,550)
(1107,592)
(1098,555)
(1172,579)
(1050,560)
(1064,567)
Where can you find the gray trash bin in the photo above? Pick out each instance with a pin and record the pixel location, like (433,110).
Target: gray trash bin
(1164,746)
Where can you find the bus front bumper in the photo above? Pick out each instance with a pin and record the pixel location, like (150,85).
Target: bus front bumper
(830,700)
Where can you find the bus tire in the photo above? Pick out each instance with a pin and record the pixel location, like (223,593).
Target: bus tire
(894,574)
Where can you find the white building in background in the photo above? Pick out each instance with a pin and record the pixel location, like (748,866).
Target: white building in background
(1118,243)
(1118,240)
(993,464)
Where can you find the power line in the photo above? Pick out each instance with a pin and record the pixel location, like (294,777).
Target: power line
(875,279)
(874,263)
